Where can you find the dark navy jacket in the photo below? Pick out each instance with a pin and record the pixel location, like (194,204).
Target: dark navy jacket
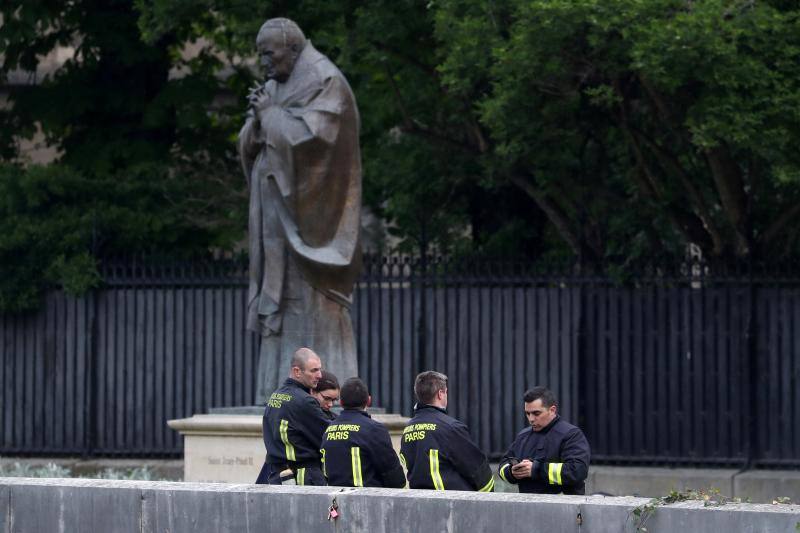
(357,452)
(293,426)
(562,452)
(439,454)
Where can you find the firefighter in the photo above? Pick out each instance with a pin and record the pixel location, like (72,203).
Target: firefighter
(549,457)
(293,424)
(356,450)
(436,448)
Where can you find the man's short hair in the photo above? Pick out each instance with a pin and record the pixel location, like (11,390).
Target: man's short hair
(292,34)
(327,382)
(354,394)
(428,384)
(540,393)
(301,357)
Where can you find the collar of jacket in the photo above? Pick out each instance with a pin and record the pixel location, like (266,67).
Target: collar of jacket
(356,410)
(428,406)
(291,381)
(549,426)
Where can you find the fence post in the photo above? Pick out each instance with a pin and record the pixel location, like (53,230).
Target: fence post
(89,408)
(751,371)
(583,377)
(422,337)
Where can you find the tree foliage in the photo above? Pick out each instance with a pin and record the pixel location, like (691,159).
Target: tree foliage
(57,221)
(603,129)
(146,162)
(640,126)
(635,128)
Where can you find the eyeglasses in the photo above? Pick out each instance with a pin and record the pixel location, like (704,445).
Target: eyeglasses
(332,399)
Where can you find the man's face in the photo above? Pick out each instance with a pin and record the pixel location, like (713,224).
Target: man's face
(327,398)
(442,394)
(311,374)
(276,59)
(538,415)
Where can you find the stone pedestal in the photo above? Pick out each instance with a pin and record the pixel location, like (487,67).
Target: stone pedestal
(229,448)
(224,448)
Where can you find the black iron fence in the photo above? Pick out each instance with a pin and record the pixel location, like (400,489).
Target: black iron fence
(688,366)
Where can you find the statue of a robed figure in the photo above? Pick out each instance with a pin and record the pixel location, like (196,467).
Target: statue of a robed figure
(300,153)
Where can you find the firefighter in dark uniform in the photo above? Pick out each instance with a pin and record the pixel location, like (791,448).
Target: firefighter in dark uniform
(436,448)
(549,457)
(293,424)
(356,450)
(327,394)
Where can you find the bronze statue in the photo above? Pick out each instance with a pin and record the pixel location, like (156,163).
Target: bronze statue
(299,151)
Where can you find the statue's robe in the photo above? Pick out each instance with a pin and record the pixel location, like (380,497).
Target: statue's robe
(303,164)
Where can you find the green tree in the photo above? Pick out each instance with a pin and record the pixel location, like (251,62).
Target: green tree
(56,222)
(603,129)
(636,128)
(640,127)
(146,160)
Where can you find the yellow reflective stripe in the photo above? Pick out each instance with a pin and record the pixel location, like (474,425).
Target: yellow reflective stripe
(355,459)
(403,462)
(503,472)
(488,487)
(324,469)
(284,429)
(433,456)
(301,476)
(554,473)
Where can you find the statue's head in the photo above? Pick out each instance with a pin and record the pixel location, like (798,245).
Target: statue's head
(279,43)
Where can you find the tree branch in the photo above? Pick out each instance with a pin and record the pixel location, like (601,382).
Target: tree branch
(407,121)
(730,186)
(431,71)
(692,227)
(697,227)
(410,125)
(556,215)
(667,116)
(479,141)
(416,128)
(669,160)
(779,225)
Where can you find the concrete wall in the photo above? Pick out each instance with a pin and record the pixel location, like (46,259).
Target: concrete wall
(752,486)
(77,505)
(757,486)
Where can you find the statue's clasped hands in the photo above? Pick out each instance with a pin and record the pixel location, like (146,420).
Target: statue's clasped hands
(258,98)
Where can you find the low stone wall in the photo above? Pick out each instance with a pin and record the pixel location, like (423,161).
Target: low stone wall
(754,486)
(76,505)
(757,486)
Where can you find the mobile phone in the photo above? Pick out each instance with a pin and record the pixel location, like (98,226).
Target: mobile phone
(513,461)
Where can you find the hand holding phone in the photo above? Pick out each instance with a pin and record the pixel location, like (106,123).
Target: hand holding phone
(522,469)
